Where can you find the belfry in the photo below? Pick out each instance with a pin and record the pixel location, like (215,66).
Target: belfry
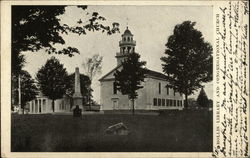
(127,45)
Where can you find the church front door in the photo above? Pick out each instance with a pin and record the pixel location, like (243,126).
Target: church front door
(115,104)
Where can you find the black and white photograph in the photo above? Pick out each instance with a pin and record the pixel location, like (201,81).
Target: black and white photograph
(111,78)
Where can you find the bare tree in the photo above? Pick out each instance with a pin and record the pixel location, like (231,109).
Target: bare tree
(93,66)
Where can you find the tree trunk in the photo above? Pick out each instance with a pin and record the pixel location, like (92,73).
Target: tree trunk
(133,106)
(186,102)
(53,105)
(89,100)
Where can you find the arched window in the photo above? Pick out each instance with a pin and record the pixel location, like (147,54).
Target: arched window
(124,39)
(128,39)
(167,90)
(114,88)
(159,87)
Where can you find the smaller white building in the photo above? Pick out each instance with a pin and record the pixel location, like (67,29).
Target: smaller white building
(43,105)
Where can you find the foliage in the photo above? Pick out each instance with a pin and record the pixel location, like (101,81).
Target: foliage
(202,99)
(192,103)
(40,27)
(93,66)
(85,84)
(129,79)
(17,61)
(37,27)
(52,79)
(28,88)
(188,60)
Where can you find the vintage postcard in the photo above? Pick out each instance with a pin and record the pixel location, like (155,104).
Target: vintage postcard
(125,79)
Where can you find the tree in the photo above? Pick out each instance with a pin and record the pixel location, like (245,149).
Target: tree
(85,84)
(202,99)
(39,27)
(28,89)
(129,79)
(93,66)
(52,80)
(188,60)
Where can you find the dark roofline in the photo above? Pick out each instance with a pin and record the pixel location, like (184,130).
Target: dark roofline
(156,74)
(110,72)
(149,73)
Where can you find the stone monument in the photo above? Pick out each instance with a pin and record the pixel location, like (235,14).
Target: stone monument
(77,96)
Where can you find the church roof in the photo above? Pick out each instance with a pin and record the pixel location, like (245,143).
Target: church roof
(156,74)
(102,78)
(127,32)
(149,73)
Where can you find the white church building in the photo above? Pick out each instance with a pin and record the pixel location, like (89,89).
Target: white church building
(155,95)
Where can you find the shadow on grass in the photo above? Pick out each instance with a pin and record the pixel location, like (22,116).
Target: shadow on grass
(177,131)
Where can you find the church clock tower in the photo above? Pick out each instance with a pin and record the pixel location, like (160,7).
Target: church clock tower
(127,45)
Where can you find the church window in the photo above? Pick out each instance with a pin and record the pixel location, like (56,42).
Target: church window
(159,102)
(167,90)
(124,39)
(128,39)
(163,102)
(159,88)
(114,88)
(155,102)
(174,102)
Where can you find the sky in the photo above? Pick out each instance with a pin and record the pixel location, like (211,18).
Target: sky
(150,25)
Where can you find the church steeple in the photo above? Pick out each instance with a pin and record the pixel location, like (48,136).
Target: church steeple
(127,45)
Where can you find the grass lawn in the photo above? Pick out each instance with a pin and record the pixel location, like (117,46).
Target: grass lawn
(179,131)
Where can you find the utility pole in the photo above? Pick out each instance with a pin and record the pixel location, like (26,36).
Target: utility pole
(19,95)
